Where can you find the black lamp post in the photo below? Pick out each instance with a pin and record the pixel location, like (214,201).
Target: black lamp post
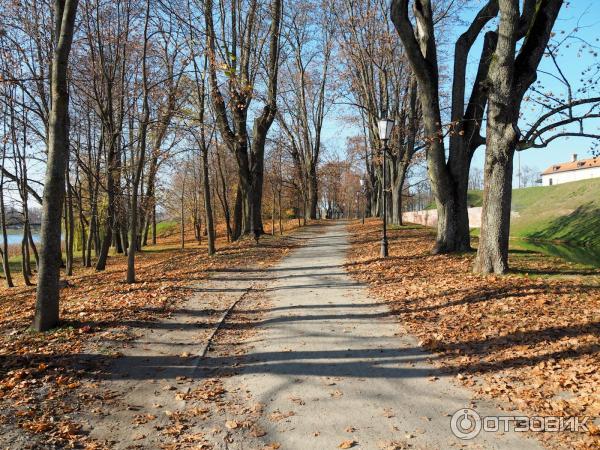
(363,185)
(385,131)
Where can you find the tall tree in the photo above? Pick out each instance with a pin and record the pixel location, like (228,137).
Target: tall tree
(449,176)
(202,136)
(238,53)
(380,82)
(108,44)
(47,301)
(140,159)
(4,248)
(510,76)
(307,91)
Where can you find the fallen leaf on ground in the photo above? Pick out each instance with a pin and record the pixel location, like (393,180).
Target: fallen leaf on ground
(257,431)
(387,412)
(232,424)
(277,415)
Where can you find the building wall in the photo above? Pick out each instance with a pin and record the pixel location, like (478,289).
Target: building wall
(428,217)
(573,175)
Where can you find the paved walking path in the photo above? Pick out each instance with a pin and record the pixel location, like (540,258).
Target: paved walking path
(154,372)
(331,365)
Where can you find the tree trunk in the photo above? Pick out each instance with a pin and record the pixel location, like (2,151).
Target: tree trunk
(492,254)
(223,197)
(210,226)
(501,136)
(279,215)
(510,76)
(33,247)
(25,269)
(145,229)
(141,159)
(109,221)
(119,239)
(122,236)
(397,198)
(83,232)
(255,202)
(47,300)
(71,230)
(182,221)
(237,215)
(313,195)
(273,212)
(154,225)
(4,253)
(90,240)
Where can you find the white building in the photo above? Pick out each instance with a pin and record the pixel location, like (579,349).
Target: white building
(573,170)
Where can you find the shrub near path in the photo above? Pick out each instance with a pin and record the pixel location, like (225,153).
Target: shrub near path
(530,339)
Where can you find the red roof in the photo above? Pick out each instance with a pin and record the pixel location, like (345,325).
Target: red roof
(573,165)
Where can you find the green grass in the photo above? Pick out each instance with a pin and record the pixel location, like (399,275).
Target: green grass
(568,213)
(474,199)
(580,256)
(561,221)
(14,262)
(166,228)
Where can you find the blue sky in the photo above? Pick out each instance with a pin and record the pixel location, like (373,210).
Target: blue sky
(584,14)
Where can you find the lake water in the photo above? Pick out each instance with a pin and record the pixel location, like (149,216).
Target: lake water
(15,236)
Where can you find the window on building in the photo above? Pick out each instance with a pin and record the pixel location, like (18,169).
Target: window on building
(550,182)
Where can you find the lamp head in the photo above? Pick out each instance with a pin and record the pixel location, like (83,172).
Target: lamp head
(385,126)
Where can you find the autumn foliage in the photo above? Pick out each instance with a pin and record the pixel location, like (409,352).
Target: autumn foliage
(530,339)
(46,381)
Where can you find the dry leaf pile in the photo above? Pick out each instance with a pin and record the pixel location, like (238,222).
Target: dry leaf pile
(530,339)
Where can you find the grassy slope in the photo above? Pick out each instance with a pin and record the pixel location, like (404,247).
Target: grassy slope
(166,228)
(474,198)
(567,212)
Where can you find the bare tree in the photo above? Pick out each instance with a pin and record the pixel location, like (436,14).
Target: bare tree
(138,163)
(307,95)
(204,137)
(107,43)
(476,179)
(46,308)
(240,55)
(510,76)
(380,83)
(4,249)
(449,176)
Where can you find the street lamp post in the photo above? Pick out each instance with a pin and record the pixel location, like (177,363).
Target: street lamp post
(385,131)
(363,185)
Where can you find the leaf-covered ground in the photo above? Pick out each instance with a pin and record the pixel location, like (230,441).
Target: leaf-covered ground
(530,339)
(42,380)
